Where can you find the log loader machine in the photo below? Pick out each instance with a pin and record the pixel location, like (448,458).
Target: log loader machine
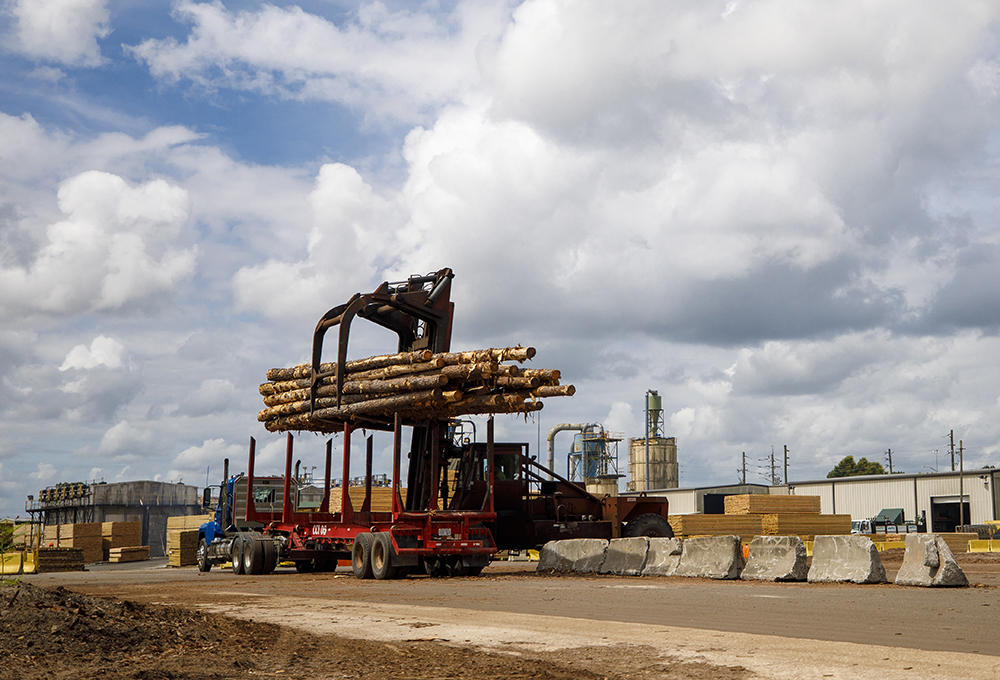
(465,500)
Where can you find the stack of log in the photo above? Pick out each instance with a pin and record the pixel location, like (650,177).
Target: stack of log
(417,385)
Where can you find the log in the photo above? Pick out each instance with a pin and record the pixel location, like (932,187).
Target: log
(554,391)
(457,373)
(525,407)
(543,373)
(393,371)
(381,361)
(518,354)
(329,411)
(518,383)
(392,386)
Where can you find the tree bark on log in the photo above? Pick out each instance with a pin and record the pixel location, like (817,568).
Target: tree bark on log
(381,361)
(542,373)
(393,386)
(383,406)
(480,355)
(554,391)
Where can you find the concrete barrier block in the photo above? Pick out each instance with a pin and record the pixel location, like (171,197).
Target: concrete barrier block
(625,556)
(718,557)
(663,556)
(928,562)
(845,558)
(582,555)
(776,558)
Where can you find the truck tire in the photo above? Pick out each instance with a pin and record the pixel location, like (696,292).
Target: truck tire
(253,554)
(304,566)
(236,554)
(650,525)
(361,556)
(270,555)
(202,556)
(382,557)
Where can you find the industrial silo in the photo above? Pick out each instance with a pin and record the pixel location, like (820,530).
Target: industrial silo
(652,457)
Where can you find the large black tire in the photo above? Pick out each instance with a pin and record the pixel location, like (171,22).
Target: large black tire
(304,566)
(270,556)
(649,525)
(361,556)
(202,556)
(382,557)
(253,554)
(236,554)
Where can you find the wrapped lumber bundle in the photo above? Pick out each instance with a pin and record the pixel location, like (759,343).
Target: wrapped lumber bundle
(136,553)
(182,547)
(59,559)
(187,521)
(418,385)
(744,526)
(805,524)
(762,504)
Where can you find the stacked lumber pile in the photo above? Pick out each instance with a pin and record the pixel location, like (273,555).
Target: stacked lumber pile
(959,542)
(182,538)
(805,525)
(744,526)
(120,535)
(86,536)
(59,559)
(136,553)
(417,385)
(381,498)
(182,547)
(757,503)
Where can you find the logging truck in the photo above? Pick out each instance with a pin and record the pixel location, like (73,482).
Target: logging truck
(463,501)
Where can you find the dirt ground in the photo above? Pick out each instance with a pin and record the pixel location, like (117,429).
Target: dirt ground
(54,633)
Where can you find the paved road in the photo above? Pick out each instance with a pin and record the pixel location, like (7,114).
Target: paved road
(958,627)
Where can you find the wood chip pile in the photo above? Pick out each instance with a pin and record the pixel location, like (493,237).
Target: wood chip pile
(418,385)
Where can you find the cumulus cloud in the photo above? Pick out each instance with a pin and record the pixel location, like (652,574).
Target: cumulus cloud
(103,351)
(125,441)
(195,460)
(114,247)
(215,395)
(62,31)
(45,472)
(388,64)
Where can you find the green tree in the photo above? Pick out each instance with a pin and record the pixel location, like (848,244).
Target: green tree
(848,467)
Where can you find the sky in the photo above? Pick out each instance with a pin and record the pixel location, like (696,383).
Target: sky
(782,216)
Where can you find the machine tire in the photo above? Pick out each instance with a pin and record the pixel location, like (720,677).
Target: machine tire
(253,555)
(304,566)
(649,525)
(361,556)
(204,564)
(382,557)
(270,555)
(236,554)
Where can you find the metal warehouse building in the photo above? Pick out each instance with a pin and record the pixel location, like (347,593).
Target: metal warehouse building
(934,497)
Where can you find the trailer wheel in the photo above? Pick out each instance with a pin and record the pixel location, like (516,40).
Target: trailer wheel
(361,556)
(650,525)
(202,556)
(253,554)
(382,567)
(270,556)
(304,566)
(236,554)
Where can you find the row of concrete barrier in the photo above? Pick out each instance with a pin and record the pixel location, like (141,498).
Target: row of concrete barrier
(927,562)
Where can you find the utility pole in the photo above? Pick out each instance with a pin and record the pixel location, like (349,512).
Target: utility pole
(961,484)
(952,447)
(774,470)
(889,454)
(786,463)
(744,467)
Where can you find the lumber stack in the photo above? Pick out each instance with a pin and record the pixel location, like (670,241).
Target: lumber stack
(959,542)
(136,553)
(417,385)
(120,535)
(182,547)
(59,559)
(806,525)
(85,536)
(763,504)
(381,498)
(744,526)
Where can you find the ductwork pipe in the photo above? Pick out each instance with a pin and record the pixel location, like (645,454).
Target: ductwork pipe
(577,427)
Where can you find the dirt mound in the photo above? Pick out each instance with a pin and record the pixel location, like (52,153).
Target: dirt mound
(56,634)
